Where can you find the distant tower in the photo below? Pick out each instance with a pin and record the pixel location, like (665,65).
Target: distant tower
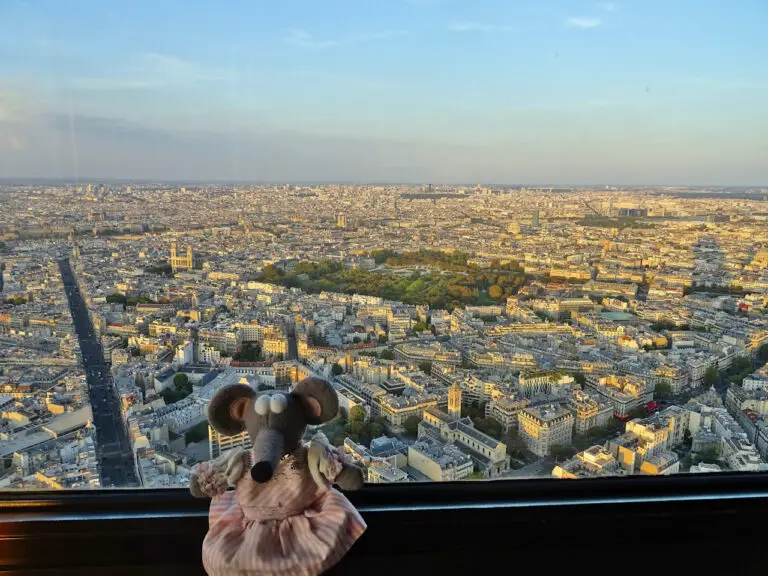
(454,400)
(341,221)
(535,221)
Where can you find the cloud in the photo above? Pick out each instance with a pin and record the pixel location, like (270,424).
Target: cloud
(15,102)
(609,6)
(153,70)
(110,83)
(583,22)
(299,37)
(478,27)
(164,65)
(303,38)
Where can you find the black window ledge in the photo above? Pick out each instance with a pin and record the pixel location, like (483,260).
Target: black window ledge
(443,527)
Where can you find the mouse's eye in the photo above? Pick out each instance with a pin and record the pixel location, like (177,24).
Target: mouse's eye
(278,403)
(261,406)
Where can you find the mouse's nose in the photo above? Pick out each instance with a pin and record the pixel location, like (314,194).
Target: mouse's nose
(262,472)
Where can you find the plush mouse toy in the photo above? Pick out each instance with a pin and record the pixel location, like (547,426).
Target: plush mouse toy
(283,516)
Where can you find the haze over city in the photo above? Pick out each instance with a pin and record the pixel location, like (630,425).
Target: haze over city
(554,92)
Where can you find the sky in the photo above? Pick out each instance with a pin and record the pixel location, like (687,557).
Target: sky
(442,91)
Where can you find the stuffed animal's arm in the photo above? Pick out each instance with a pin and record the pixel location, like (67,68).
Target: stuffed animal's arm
(328,466)
(208,479)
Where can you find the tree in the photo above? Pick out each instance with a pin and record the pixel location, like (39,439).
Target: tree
(272,274)
(411,425)
(489,426)
(357,414)
(709,456)
(638,412)
(495,291)
(426,367)
(382,338)
(475,476)
(249,352)
(580,378)
(197,433)
(562,451)
(663,389)
(711,376)
(116,298)
(762,353)
(419,327)
(740,365)
(336,369)
(387,354)
(376,429)
(170,395)
(181,382)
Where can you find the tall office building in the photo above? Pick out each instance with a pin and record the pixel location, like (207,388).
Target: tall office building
(341,221)
(535,220)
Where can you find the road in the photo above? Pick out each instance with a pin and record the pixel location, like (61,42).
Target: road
(293,351)
(540,468)
(113,447)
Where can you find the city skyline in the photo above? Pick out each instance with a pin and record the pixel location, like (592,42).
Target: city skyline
(468,332)
(414,91)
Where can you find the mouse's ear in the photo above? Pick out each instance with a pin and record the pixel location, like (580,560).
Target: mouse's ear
(318,398)
(226,412)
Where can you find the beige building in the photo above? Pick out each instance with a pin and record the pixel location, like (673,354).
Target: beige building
(218,443)
(593,462)
(275,346)
(546,426)
(488,454)
(397,409)
(532,383)
(179,262)
(589,412)
(382,472)
(622,393)
(439,462)
(661,464)
(653,436)
(505,410)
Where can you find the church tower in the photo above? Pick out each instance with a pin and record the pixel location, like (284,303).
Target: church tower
(454,400)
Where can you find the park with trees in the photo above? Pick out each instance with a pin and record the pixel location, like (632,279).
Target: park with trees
(451,281)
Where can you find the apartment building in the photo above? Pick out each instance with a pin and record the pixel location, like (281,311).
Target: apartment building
(542,427)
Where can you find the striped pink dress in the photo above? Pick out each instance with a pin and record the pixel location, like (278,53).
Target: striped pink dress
(289,525)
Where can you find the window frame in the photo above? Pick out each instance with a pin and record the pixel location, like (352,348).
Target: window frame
(161,530)
(412,496)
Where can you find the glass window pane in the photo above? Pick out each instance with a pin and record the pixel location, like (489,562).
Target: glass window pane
(519,241)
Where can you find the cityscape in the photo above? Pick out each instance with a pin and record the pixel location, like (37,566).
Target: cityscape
(472,332)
